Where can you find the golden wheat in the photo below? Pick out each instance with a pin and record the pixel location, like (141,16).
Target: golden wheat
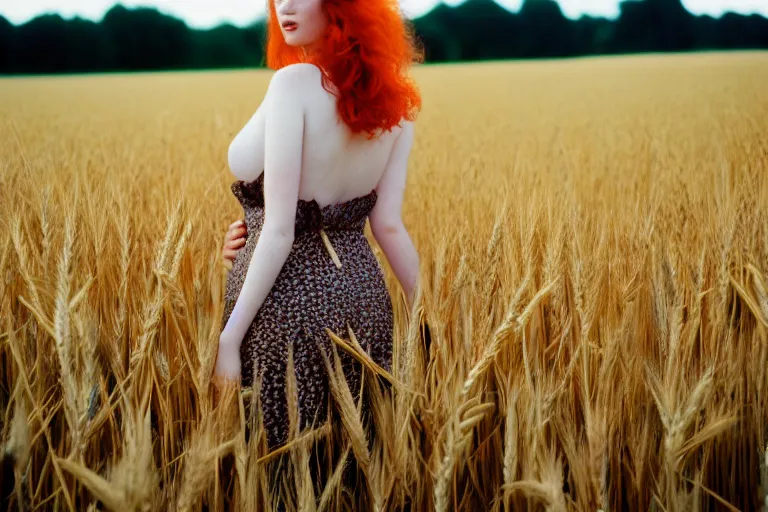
(590,330)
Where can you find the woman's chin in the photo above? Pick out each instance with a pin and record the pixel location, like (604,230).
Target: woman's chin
(292,40)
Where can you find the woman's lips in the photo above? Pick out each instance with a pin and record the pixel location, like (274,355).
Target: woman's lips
(290,26)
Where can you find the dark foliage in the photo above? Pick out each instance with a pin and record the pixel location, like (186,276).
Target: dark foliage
(145,39)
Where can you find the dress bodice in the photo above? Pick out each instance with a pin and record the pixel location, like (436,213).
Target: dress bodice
(346,215)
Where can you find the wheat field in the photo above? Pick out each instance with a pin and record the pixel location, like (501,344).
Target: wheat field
(593,236)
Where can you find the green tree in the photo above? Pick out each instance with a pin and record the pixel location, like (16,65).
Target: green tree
(653,25)
(227,46)
(7,45)
(546,31)
(145,39)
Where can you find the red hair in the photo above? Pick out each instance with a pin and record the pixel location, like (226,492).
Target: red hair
(365,54)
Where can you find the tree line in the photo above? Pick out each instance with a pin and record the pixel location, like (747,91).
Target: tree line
(143,38)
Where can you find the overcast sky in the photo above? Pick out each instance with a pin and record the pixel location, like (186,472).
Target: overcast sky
(207,13)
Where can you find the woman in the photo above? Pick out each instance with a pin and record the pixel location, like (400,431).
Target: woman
(327,149)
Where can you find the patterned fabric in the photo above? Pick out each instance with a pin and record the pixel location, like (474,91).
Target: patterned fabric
(310,294)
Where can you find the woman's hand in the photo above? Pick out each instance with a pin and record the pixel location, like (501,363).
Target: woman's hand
(234,240)
(227,360)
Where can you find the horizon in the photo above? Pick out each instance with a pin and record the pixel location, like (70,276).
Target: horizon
(200,14)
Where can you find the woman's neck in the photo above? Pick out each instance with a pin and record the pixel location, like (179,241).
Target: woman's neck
(309,51)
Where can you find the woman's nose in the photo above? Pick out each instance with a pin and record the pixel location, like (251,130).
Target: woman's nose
(285,7)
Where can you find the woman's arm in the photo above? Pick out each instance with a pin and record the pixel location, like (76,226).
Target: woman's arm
(284,131)
(386,217)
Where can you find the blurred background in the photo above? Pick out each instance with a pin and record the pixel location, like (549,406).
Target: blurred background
(44,36)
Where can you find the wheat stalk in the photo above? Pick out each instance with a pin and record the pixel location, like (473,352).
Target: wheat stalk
(18,447)
(64,344)
(630,265)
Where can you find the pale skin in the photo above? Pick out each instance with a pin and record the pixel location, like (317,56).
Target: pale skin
(306,152)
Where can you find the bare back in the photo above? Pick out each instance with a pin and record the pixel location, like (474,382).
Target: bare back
(312,155)
(336,164)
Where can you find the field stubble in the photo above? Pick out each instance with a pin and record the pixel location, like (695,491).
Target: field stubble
(594,244)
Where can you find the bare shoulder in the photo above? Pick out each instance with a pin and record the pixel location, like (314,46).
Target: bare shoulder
(407,129)
(295,78)
(404,139)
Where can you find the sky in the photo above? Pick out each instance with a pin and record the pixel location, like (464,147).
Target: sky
(208,13)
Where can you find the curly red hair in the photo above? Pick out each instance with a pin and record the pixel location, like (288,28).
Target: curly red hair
(366,53)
